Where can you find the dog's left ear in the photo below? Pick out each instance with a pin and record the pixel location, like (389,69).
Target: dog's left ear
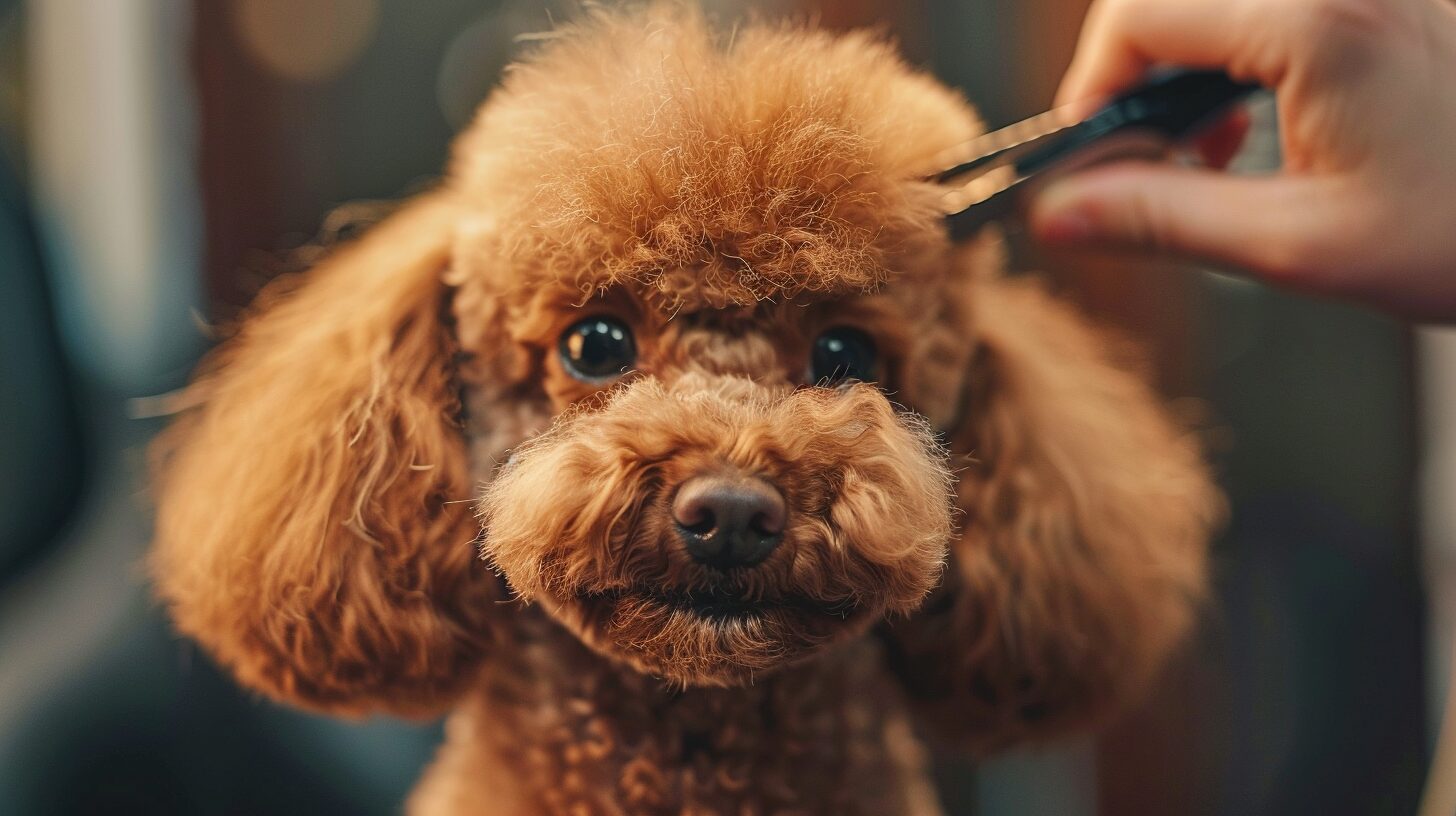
(1087,513)
(314,528)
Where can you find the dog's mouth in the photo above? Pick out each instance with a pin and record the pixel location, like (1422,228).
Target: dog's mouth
(712,604)
(726,606)
(713,635)
(721,605)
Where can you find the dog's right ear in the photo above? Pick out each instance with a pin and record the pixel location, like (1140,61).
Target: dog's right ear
(1086,514)
(314,528)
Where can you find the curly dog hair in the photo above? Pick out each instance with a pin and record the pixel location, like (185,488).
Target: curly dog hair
(672,447)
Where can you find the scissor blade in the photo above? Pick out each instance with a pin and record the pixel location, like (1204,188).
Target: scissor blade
(988,147)
(985,198)
(988,195)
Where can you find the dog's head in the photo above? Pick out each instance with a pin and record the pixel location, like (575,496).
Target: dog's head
(684,330)
(716,269)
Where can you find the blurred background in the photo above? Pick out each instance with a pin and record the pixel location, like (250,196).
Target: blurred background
(161,159)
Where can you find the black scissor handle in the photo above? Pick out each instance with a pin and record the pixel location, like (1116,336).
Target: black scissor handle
(1172,105)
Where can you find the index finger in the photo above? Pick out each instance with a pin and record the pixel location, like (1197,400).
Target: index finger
(1122,39)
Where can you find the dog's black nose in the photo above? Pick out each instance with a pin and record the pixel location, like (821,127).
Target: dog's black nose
(728,522)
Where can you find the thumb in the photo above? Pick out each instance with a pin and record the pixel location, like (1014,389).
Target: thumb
(1255,223)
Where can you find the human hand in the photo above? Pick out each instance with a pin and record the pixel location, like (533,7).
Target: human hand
(1365,205)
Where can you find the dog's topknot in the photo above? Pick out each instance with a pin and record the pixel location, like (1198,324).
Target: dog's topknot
(709,170)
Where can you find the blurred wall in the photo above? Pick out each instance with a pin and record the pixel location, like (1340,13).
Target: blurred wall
(111,147)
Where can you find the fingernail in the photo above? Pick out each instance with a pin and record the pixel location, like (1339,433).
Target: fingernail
(1065,228)
(1058,217)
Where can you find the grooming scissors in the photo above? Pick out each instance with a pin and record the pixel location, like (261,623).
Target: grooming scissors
(989,174)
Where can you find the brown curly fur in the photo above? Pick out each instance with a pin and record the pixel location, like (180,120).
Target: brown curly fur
(1006,552)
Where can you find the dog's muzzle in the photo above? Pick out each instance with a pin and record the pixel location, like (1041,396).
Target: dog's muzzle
(714,527)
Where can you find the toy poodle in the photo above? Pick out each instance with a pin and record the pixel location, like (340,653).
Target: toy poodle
(671,446)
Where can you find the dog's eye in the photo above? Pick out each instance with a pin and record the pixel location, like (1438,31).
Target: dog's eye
(843,353)
(598,349)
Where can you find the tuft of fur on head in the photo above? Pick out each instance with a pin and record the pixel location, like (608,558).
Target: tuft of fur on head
(709,170)
(580,522)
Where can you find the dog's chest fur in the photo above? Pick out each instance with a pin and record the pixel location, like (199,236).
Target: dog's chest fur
(555,729)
